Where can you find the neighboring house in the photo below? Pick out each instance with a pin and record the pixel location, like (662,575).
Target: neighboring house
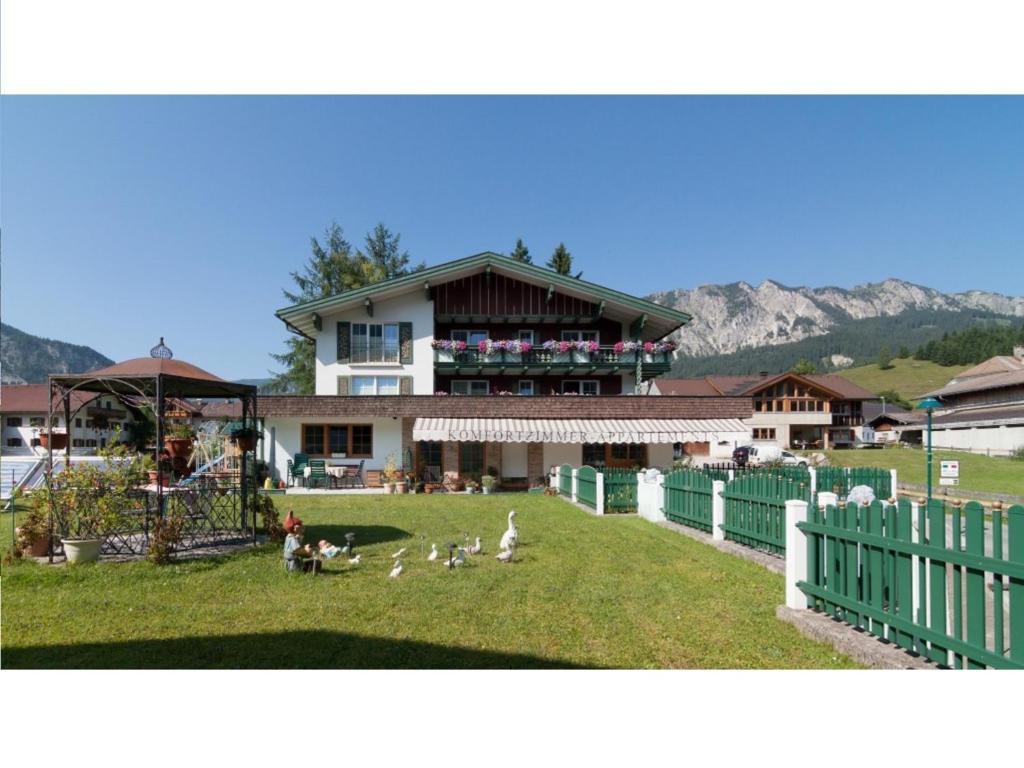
(24,409)
(884,424)
(982,408)
(486,364)
(789,410)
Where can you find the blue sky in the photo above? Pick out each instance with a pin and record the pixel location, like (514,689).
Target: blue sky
(125,219)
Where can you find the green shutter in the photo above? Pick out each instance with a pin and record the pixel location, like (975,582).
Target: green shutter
(405,343)
(405,385)
(344,342)
(343,383)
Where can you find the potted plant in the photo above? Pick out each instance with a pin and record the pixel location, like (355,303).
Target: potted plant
(178,440)
(33,535)
(390,474)
(245,438)
(487,482)
(58,440)
(471,486)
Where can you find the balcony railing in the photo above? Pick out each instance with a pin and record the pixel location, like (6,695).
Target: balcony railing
(375,352)
(847,420)
(604,356)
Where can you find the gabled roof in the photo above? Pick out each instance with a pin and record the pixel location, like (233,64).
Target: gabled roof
(35,398)
(732,386)
(997,364)
(661,320)
(961,385)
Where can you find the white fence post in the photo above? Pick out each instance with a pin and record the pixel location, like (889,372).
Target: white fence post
(796,554)
(575,486)
(892,476)
(553,478)
(599,489)
(814,480)
(717,510)
(650,495)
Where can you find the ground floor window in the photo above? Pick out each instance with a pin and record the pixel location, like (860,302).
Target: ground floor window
(471,460)
(764,433)
(470,387)
(581,387)
(14,442)
(354,440)
(616,455)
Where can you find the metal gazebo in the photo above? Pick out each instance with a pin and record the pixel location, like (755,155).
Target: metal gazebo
(149,382)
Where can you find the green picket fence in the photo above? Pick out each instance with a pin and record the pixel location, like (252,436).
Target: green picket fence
(688,498)
(586,486)
(969,594)
(619,491)
(565,480)
(755,509)
(840,480)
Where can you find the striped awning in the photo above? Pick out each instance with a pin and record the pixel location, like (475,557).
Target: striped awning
(579,430)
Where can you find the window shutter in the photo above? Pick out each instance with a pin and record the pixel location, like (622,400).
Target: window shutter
(405,343)
(343,382)
(405,385)
(344,342)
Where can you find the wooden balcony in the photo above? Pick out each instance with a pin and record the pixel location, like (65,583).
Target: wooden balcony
(541,362)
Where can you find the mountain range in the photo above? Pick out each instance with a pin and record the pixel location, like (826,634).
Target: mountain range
(28,359)
(740,328)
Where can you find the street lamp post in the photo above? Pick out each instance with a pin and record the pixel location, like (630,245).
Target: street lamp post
(929,404)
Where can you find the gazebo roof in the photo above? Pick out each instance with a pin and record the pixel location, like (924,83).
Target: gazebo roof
(141,374)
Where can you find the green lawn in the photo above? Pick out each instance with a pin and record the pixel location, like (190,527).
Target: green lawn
(586,592)
(911,378)
(992,474)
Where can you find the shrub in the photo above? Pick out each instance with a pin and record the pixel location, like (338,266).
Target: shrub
(1017,453)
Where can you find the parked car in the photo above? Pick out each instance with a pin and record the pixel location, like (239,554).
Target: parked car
(759,455)
(740,455)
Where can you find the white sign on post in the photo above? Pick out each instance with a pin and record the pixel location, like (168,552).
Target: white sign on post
(949,469)
(949,481)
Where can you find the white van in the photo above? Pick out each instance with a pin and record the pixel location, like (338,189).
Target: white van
(771,454)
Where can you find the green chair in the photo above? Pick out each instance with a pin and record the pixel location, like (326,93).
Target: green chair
(318,476)
(297,469)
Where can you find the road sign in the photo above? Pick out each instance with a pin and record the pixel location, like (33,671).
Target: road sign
(949,481)
(949,469)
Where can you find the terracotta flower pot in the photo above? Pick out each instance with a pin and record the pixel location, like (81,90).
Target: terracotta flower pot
(59,440)
(36,549)
(178,447)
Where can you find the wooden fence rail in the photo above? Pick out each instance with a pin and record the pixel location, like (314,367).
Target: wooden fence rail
(938,585)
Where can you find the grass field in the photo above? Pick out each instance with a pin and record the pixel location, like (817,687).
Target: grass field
(991,474)
(911,378)
(585,592)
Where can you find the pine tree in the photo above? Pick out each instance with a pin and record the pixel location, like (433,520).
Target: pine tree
(561,260)
(521,253)
(332,268)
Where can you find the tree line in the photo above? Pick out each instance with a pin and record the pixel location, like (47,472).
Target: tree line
(973,345)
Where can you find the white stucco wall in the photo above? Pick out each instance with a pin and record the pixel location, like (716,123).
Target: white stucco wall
(387,439)
(412,308)
(660,455)
(998,441)
(562,453)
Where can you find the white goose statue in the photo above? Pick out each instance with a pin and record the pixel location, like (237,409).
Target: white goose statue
(477,548)
(396,571)
(433,552)
(511,537)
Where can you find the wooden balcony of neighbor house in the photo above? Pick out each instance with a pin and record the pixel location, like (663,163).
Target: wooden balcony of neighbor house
(539,361)
(847,419)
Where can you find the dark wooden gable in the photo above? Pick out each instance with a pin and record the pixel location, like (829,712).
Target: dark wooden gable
(490,294)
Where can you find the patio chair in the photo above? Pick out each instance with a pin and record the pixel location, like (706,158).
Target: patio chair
(318,474)
(297,470)
(353,477)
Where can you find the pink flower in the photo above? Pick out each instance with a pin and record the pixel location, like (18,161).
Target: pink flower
(482,346)
(593,346)
(648,346)
(525,346)
(618,348)
(460,346)
(563,346)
